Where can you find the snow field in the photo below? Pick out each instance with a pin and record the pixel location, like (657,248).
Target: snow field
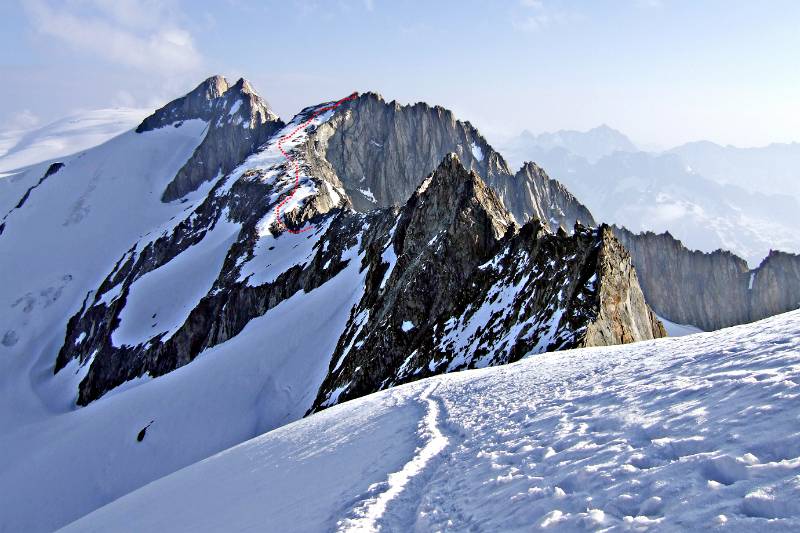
(697,432)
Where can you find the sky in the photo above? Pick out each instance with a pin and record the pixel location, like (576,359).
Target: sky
(664,72)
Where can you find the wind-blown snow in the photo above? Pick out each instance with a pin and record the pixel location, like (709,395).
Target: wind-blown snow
(675,434)
(679,330)
(389,256)
(477,153)
(235,107)
(368,194)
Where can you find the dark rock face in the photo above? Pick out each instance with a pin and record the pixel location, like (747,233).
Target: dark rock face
(776,285)
(450,280)
(711,290)
(239,121)
(196,104)
(385,148)
(454,285)
(379,151)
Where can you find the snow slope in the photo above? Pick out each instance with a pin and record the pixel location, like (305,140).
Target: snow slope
(65,136)
(698,432)
(60,243)
(77,460)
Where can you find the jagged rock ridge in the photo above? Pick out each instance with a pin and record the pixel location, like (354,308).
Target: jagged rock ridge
(455,285)
(379,150)
(239,121)
(451,205)
(711,290)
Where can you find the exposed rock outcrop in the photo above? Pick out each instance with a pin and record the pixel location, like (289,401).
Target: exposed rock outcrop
(532,194)
(239,121)
(379,151)
(455,286)
(711,290)
(423,271)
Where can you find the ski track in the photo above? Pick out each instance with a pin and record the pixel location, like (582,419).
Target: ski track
(396,500)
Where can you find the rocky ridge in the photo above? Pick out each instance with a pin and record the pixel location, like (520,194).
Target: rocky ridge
(452,205)
(711,290)
(419,255)
(380,150)
(456,284)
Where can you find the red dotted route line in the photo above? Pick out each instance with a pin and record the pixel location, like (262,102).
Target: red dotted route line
(297,165)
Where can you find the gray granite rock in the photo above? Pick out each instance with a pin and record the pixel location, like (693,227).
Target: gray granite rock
(711,290)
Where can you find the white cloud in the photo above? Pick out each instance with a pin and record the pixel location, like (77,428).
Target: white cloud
(536,15)
(22,120)
(139,35)
(533,23)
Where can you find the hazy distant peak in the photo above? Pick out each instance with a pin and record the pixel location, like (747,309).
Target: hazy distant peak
(592,144)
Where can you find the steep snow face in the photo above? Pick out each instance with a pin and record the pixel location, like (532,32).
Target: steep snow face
(59,243)
(160,301)
(674,434)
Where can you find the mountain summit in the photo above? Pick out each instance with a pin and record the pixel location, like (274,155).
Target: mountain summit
(238,122)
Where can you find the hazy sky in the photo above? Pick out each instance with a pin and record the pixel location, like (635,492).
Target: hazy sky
(662,71)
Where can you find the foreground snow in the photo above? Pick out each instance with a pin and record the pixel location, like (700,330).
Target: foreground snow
(687,433)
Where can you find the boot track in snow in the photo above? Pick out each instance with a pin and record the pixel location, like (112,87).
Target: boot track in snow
(394,502)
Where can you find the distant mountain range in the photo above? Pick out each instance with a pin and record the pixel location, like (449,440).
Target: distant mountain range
(590,145)
(710,197)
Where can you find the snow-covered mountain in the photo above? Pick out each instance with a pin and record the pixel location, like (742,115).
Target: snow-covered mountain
(689,434)
(261,270)
(663,192)
(217,273)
